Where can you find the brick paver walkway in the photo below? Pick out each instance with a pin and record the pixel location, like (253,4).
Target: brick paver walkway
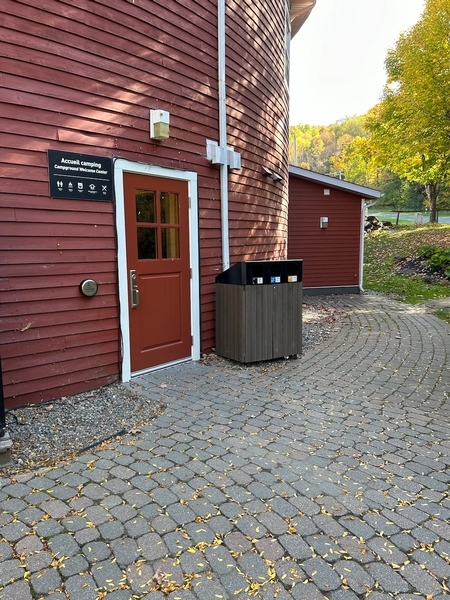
(325,477)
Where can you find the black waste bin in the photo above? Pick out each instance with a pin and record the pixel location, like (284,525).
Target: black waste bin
(259,310)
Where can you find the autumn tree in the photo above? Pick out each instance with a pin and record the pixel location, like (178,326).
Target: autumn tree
(356,162)
(320,147)
(410,127)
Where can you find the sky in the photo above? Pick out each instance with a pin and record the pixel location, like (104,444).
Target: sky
(337,57)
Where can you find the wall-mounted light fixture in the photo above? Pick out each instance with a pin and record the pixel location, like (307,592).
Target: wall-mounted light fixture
(268,173)
(159,125)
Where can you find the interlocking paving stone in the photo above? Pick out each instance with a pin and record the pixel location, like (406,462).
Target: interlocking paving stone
(325,547)
(125,551)
(96,551)
(232,510)
(234,583)
(343,595)
(273,522)
(295,546)
(72,566)
(220,560)
(424,535)
(289,573)
(6,551)
(421,580)
(282,507)
(220,525)
(48,528)
(39,561)
(322,574)
(194,562)
(254,567)
(260,490)
(111,530)
(200,533)
(10,571)
(107,575)
(63,545)
(208,587)
(96,515)
(237,542)
(270,549)
(152,546)
(20,590)
(307,592)
(119,595)
(249,526)
(15,531)
(81,587)
(86,535)
(330,468)
(45,581)
(28,545)
(14,505)
(390,580)
(357,527)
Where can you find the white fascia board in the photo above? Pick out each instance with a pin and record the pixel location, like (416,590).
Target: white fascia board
(360,190)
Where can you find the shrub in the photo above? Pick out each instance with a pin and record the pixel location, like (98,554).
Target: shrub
(427,251)
(439,260)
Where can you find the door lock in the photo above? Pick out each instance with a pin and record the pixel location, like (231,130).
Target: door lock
(134,289)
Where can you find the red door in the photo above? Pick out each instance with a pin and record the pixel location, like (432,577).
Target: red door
(157,242)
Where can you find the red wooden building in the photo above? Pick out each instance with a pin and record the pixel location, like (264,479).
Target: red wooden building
(326,230)
(134,136)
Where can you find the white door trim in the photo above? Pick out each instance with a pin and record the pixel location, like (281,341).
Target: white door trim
(122,166)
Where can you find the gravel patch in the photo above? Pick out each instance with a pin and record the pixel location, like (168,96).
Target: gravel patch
(47,433)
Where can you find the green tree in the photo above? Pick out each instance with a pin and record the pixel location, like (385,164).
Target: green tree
(410,127)
(400,195)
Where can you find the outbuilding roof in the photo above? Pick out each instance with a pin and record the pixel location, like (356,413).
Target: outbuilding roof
(334,182)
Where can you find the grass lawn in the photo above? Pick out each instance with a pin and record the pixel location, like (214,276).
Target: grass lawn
(384,250)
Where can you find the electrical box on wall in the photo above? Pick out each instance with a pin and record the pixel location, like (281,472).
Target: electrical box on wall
(159,124)
(323,222)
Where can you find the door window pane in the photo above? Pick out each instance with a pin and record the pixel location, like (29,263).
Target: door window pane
(169,208)
(145,207)
(170,243)
(146,239)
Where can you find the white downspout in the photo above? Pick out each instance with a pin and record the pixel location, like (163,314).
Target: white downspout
(364,206)
(223,133)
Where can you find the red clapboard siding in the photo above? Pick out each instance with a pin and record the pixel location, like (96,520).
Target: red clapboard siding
(331,257)
(81,77)
(258,103)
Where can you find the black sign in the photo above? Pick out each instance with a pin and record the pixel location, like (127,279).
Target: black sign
(80,176)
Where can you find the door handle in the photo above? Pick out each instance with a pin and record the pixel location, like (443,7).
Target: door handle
(134,289)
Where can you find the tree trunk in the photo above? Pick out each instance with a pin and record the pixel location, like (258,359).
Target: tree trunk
(432,191)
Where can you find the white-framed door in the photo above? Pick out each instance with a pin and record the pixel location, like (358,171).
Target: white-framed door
(152,183)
